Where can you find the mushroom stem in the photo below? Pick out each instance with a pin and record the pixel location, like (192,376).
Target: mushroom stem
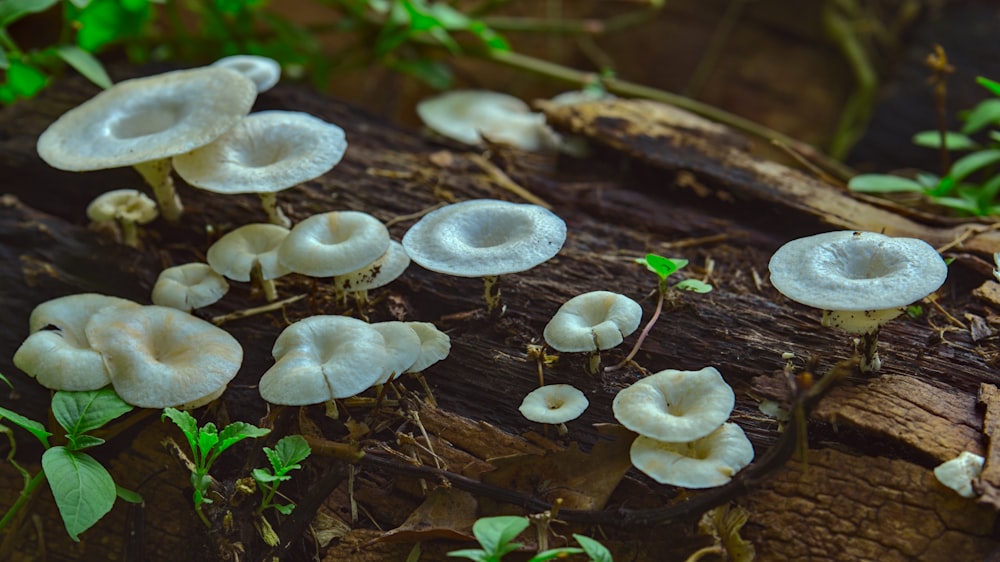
(157,175)
(130,234)
(491,292)
(266,285)
(274,213)
(869,361)
(594,362)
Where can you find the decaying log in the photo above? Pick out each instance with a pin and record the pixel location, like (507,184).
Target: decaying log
(653,184)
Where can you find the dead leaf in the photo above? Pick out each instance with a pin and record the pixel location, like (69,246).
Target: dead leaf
(724,524)
(447,513)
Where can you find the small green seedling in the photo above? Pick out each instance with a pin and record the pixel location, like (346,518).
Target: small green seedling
(83,489)
(663,268)
(285,457)
(206,444)
(495,536)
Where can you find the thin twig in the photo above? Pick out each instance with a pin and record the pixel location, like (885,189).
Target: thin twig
(497,175)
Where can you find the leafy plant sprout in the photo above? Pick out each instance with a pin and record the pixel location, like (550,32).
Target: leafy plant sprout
(206,444)
(496,536)
(83,489)
(663,268)
(285,457)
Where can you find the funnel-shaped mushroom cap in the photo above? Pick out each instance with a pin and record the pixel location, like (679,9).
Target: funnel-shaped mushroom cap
(593,321)
(381,272)
(235,254)
(485,237)
(434,345)
(334,243)
(160,357)
(128,205)
(675,406)
(321,358)
(267,151)
(264,71)
(555,403)
(187,286)
(704,463)
(58,352)
(460,114)
(856,271)
(402,344)
(148,119)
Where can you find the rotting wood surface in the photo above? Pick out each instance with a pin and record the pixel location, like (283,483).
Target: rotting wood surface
(656,182)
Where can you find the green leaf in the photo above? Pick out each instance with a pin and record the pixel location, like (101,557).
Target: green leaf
(555,553)
(989,85)
(29,425)
(972,163)
(694,285)
(493,40)
(264,476)
(4,379)
(595,550)
(80,412)
(953,140)
(984,114)
(78,442)
(287,453)
(496,533)
(238,431)
(473,554)
(883,183)
(435,73)
(662,266)
(25,80)
(284,509)
(127,495)
(106,22)
(187,424)
(13,10)
(86,64)
(208,438)
(83,489)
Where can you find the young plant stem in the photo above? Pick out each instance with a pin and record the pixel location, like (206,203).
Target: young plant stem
(661,291)
(17,513)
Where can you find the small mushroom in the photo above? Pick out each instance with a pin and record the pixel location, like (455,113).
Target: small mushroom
(469,116)
(860,280)
(266,152)
(485,238)
(592,322)
(321,358)
(434,346)
(264,71)
(128,208)
(58,352)
(188,286)
(145,121)
(707,462)
(554,404)
(250,253)
(675,406)
(379,273)
(159,357)
(334,243)
(960,472)
(402,345)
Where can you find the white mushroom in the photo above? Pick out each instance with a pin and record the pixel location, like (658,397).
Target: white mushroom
(334,243)
(402,344)
(321,358)
(592,322)
(554,404)
(266,152)
(469,116)
(145,121)
(704,463)
(188,286)
(485,238)
(860,280)
(960,472)
(127,207)
(675,406)
(250,253)
(381,272)
(58,352)
(434,346)
(160,357)
(264,71)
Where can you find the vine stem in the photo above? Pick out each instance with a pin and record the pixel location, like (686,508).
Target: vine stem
(642,335)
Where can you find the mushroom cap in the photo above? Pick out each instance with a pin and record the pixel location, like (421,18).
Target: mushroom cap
(675,406)
(58,352)
(127,205)
(159,357)
(855,271)
(234,254)
(554,403)
(593,321)
(704,463)
(334,243)
(381,272)
(402,345)
(187,286)
(460,114)
(321,358)
(263,71)
(265,152)
(147,119)
(959,473)
(434,345)
(483,237)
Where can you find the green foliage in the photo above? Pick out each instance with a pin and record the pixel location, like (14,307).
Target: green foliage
(83,489)
(496,535)
(973,181)
(206,444)
(284,457)
(665,267)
